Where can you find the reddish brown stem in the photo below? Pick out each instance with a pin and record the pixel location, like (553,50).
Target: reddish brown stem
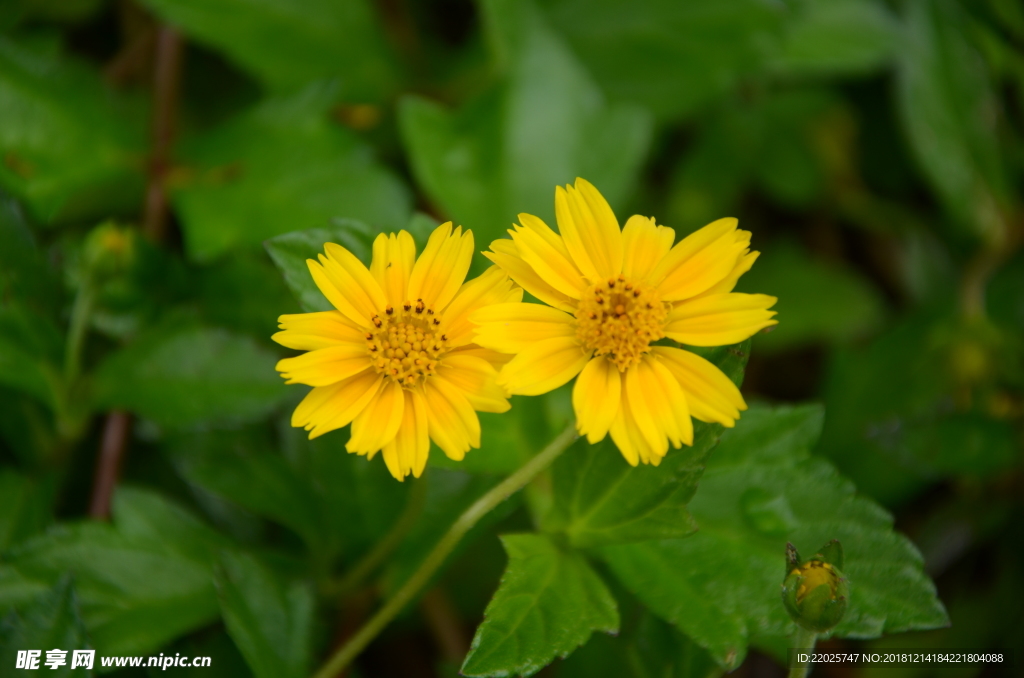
(443,621)
(166,78)
(108,468)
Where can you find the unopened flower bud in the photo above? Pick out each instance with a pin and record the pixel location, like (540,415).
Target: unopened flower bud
(815,592)
(109,250)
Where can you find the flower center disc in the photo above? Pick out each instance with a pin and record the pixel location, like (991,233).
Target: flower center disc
(620,319)
(407,343)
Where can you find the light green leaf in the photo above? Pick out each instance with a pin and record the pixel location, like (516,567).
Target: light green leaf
(818,302)
(282,166)
(837,37)
(545,124)
(672,56)
(49,621)
(761,489)
(291,250)
(269,619)
(291,42)
(601,499)
(548,604)
(948,107)
(70,150)
(142,581)
(24,507)
(188,375)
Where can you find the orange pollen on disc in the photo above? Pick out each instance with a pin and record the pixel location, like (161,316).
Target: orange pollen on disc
(408,344)
(620,319)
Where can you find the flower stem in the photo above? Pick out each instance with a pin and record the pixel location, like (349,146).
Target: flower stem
(481,507)
(80,312)
(355,576)
(802,640)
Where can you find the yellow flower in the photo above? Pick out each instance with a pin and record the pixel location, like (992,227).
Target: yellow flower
(397,358)
(611,295)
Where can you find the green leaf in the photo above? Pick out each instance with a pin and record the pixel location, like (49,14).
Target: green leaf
(761,489)
(280,167)
(248,473)
(670,56)
(24,507)
(70,150)
(548,604)
(189,375)
(244,293)
(837,37)
(142,581)
(29,347)
(818,302)
(947,104)
(270,620)
(50,621)
(291,42)
(25,274)
(601,499)
(291,250)
(544,124)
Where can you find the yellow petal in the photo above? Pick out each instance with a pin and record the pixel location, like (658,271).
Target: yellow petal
(701,260)
(311,331)
(454,425)
(327,408)
(667,400)
(544,366)
(627,437)
(595,398)
(557,270)
(335,294)
(353,279)
(493,357)
(644,245)
(378,423)
(505,255)
(325,366)
(513,328)
(393,259)
(477,379)
(407,453)
(646,409)
(720,319)
(491,287)
(743,264)
(440,270)
(711,395)
(589,229)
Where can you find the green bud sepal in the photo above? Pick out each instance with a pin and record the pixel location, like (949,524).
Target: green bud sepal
(815,592)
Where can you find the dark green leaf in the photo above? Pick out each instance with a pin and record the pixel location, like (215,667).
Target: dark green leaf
(270,620)
(24,507)
(244,293)
(601,499)
(181,377)
(280,167)
(254,477)
(545,124)
(50,621)
(290,42)
(291,250)
(29,347)
(548,604)
(948,107)
(761,489)
(669,55)
(141,582)
(818,302)
(826,37)
(68,149)
(25,274)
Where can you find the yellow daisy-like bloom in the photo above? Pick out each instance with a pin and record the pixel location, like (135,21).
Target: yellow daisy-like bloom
(397,358)
(611,295)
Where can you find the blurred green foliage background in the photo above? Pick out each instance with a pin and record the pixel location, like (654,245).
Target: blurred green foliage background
(149,149)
